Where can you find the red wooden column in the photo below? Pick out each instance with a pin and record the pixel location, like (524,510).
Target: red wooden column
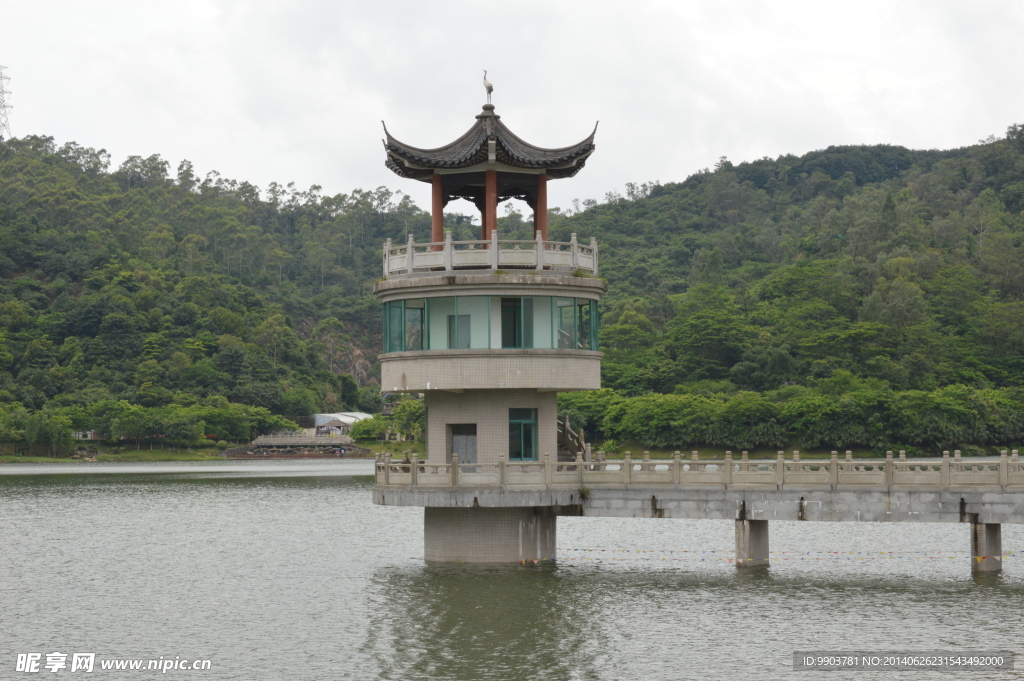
(490,221)
(437,212)
(540,213)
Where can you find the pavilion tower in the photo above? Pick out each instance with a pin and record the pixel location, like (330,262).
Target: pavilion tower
(487,165)
(489,331)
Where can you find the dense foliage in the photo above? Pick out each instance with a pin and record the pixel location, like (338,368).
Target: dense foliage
(851,296)
(408,420)
(857,296)
(839,412)
(179,295)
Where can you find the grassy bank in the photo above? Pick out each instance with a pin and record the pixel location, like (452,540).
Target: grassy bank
(161,455)
(395,448)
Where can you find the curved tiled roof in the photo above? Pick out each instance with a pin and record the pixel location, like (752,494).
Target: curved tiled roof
(472,149)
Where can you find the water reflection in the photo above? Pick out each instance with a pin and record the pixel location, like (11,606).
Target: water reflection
(475,622)
(648,619)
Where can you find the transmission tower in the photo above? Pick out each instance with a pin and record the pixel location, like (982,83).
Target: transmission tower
(5,125)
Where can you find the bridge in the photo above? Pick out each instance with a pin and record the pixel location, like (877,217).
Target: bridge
(983,492)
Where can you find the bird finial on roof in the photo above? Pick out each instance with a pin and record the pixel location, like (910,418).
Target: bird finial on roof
(488,87)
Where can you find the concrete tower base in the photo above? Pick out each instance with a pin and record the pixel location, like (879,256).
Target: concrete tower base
(488,535)
(986,547)
(751,543)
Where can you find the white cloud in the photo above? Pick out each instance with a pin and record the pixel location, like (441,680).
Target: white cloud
(280,91)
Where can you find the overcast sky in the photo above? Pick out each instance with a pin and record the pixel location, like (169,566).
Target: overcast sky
(295,90)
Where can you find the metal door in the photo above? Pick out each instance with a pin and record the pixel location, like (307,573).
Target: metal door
(464,443)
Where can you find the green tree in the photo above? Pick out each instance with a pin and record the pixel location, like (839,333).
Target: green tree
(274,336)
(374,428)
(410,418)
(191,247)
(48,428)
(706,344)
(331,332)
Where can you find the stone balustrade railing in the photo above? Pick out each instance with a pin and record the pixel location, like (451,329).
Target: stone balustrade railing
(727,473)
(493,254)
(302,439)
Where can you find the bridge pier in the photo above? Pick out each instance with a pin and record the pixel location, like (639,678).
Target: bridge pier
(751,543)
(986,547)
(489,535)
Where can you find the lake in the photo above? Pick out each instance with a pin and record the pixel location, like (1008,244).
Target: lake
(285,570)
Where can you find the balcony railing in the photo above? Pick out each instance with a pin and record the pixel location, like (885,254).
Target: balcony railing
(726,473)
(494,254)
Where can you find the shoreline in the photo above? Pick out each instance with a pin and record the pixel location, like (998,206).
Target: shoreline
(113,458)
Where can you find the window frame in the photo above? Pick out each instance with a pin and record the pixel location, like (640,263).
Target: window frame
(520,424)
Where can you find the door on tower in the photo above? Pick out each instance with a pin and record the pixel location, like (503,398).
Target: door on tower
(463,442)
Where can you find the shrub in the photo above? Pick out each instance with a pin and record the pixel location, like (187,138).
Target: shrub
(371,429)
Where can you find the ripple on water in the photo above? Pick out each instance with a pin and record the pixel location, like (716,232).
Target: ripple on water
(294,574)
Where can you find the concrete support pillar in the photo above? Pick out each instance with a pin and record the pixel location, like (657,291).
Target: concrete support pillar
(751,543)
(437,212)
(986,547)
(490,217)
(540,212)
(488,535)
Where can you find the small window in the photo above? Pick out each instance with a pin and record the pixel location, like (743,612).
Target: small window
(458,332)
(404,325)
(565,323)
(517,322)
(414,319)
(511,322)
(522,434)
(438,311)
(396,326)
(584,324)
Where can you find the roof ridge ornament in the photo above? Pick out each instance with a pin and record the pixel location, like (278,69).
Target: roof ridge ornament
(488,87)
(487,116)
(474,150)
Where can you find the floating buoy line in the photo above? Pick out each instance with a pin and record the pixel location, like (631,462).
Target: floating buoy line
(711,556)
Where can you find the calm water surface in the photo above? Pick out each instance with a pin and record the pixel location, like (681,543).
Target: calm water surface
(285,570)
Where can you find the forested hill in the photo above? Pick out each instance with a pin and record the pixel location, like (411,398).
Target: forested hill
(898,265)
(842,271)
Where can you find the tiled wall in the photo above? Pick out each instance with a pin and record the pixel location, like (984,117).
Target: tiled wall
(488,409)
(482,369)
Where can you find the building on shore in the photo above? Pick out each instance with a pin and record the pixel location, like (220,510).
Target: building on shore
(340,423)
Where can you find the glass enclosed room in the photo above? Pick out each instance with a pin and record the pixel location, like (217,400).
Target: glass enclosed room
(490,322)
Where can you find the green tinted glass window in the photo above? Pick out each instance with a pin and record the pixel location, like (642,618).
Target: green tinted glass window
(414,318)
(522,434)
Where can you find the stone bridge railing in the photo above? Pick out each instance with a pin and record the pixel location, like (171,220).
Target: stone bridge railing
(727,473)
(300,439)
(494,254)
